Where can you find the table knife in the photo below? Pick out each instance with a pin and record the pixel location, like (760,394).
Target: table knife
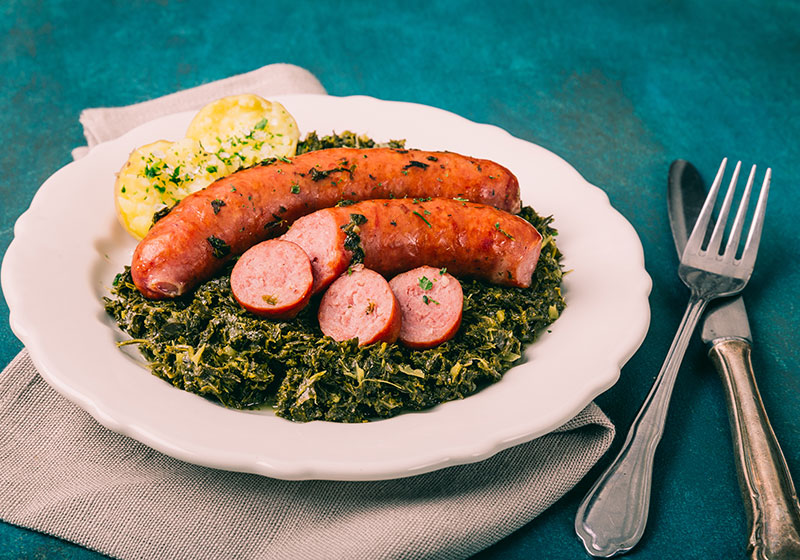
(769,495)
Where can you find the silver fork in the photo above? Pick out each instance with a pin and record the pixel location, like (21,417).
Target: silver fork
(612,517)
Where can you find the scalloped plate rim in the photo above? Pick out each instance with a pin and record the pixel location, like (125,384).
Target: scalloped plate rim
(365,464)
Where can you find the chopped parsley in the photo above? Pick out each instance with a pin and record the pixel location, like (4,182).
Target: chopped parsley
(498,228)
(423,218)
(352,241)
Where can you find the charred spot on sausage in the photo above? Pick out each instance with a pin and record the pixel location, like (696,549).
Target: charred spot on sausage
(317,175)
(161,213)
(217,204)
(219,247)
(276,223)
(414,163)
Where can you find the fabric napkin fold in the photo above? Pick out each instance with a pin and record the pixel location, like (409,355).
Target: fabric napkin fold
(63,474)
(106,123)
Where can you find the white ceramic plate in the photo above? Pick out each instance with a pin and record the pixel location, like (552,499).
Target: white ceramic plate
(68,247)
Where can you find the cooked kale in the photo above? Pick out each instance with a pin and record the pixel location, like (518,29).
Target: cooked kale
(346,139)
(206,343)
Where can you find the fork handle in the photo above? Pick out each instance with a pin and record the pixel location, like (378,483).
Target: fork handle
(769,494)
(612,517)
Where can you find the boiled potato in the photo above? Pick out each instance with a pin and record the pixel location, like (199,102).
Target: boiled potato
(225,136)
(245,129)
(158,176)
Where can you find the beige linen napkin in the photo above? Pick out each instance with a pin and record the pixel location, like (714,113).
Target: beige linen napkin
(106,123)
(63,474)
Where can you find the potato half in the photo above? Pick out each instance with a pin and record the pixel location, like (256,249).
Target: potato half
(225,136)
(245,129)
(158,176)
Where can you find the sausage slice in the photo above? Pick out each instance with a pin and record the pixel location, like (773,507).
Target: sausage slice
(360,304)
(273,279)
(431,302)
(323,240)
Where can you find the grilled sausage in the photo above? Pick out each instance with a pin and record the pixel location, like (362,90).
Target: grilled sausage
(273,279)
(431,302)
(192,242)
(360,305)
(468,239)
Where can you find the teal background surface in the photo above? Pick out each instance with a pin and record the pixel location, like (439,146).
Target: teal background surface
(619,89)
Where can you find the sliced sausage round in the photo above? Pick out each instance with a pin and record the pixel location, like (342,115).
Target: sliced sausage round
(323,241)
(431,302)
(360,304)
(273,279)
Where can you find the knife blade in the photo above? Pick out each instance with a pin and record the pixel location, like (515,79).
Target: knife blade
(727,320)
(686,194)
(769,495)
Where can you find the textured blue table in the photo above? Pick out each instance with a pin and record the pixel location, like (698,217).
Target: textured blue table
(619,89)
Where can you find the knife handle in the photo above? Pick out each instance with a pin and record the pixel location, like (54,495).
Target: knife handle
(769,495)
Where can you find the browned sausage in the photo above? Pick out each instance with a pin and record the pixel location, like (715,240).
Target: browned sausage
(273,279)
(468,239)
(360,305)
(431,303)
(191,243)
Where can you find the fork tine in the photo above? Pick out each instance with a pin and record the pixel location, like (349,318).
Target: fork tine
(698,234)
(738,223)
(754,237)
(719,229)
